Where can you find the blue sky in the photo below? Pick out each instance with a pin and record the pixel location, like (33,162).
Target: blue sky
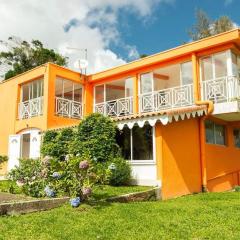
(167,27)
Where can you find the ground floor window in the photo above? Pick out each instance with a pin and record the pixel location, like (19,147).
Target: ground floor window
(236,135)
(136,143)
(215,133)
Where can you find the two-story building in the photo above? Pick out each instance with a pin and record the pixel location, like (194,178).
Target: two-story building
(177,112)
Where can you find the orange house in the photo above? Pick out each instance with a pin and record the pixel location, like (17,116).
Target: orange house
(177,111)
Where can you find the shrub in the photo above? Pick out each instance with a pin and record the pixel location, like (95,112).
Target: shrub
(237,188)
(95,138)
(56,143)
(3,159)
(119,172)
(29,175)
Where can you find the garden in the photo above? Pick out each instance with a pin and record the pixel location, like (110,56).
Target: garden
(82,163)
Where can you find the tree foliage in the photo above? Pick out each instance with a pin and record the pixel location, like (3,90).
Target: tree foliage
(205,27)
(20,56)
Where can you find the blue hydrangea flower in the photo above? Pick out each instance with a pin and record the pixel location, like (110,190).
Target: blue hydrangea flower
(49,192)
(75,202)
(56,175)
(112,166)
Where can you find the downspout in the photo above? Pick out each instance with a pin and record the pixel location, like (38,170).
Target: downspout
(210,108)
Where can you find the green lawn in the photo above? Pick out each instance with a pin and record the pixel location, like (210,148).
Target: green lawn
(200,216)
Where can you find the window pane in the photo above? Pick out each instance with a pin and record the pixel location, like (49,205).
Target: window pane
(142,140)
(220,134)
(59,88)
(99,94)
(123,140)
(209,127)
(146,82)
(77,92)
(35,89)
(220,64)
(206,67)
(236,135)
(40,88)
(186,72)
(128,87)
(68,89)
(234,66)
(25,92)
(115,90)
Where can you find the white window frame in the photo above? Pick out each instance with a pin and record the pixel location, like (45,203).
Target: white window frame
(149,161)
(229,64)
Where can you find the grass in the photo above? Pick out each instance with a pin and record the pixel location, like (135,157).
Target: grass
(200,216)
(105,191)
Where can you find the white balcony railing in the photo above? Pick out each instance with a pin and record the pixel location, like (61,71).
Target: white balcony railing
(68,108)
(115,108)
(30,108)
(225,89)
(169,98)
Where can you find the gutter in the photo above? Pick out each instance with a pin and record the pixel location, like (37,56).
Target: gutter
(210,108)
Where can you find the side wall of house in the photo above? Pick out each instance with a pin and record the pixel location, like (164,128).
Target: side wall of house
(180,166)
(223,162)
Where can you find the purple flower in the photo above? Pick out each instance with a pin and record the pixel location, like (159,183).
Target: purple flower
(112,166)
(87,191)
(75,202)
(56,175)
(84,164)
(49,192)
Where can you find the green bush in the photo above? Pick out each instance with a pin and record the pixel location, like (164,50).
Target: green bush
(56,143)
(29,175)
(237,188)
(119,172)
(95,139)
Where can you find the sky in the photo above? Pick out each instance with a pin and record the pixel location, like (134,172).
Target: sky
(113,31)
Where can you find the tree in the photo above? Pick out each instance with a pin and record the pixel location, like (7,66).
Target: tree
(205,27)
(202,28)
(21,56)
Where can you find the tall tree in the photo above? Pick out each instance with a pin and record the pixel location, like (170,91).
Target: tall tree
(205,27)
(19,56)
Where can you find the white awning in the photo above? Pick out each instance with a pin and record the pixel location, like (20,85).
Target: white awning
(164,119)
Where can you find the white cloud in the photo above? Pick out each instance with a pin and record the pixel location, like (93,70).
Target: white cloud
(90,24)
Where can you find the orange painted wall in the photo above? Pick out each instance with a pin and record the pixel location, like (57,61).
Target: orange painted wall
(180,167)
(223,162)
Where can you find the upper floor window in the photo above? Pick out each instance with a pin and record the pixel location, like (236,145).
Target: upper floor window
(170,76)
(214,66)
(68,98)
(215,133)
(68,90)
(236,64)
(114,98)
(32,90)
(31,102)
(236,135)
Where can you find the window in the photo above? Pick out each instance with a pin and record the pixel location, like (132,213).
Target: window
(186,73)
(214,66)
(146,83)
(137,143)
(68,90)
(114,90)
(215,133)
(236,64)
(32,90)
(236,135)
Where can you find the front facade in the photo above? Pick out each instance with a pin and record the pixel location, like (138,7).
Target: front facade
(177,111)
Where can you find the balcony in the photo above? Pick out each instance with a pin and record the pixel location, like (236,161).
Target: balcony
(68,108)
(166,99)
(219,90)
(30,108)
(115,108)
